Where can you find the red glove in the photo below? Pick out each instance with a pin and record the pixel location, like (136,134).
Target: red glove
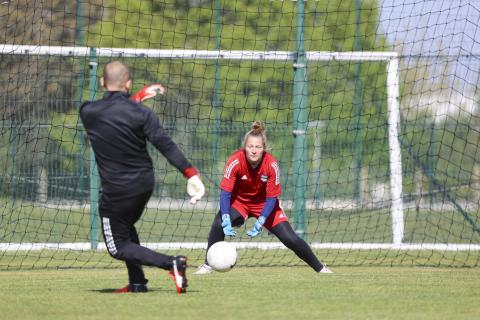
(148,92)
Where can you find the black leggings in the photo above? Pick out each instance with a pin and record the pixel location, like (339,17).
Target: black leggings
(283,231)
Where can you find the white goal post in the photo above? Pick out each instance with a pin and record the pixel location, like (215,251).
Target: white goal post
(392,63)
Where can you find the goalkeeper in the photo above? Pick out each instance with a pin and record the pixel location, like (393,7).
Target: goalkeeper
(118,127)
(250,188)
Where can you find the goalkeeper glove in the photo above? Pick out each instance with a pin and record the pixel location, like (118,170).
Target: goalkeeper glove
(257,227)
(148,92)
(227,226)
(195,188)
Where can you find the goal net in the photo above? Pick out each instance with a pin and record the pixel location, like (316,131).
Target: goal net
(377,145)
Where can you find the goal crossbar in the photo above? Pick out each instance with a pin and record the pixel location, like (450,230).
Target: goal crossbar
(196,54)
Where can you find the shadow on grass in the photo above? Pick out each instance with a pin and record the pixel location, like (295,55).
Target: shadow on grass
(110,290)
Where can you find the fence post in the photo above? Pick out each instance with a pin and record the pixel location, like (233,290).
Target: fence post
(79,81)
(13,151)
(357,103)
(216,100)
(300,96)
(93,173)
(476,185)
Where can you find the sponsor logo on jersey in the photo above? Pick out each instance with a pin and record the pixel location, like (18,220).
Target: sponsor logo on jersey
(244,177)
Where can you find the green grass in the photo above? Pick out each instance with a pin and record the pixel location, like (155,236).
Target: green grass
(29,223)
(246,293)
(64,259)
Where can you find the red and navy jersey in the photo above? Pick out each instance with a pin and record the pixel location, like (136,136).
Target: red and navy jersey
(250,185)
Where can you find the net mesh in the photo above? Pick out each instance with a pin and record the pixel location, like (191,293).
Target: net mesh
(45,208)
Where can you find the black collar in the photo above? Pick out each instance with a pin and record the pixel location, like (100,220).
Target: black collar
(114,94)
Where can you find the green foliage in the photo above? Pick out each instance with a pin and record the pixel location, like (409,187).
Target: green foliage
(50,22)
(67,133)
(250,90)
(255,90)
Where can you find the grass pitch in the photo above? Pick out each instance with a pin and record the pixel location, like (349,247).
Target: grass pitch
(246,293)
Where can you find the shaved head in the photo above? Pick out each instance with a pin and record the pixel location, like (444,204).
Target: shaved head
(116,76)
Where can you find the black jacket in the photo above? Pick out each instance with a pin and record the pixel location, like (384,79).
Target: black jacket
(118,130)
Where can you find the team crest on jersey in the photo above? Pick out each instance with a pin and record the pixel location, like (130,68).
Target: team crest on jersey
(263,178)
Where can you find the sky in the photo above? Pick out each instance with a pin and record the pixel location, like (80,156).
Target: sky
(437,27)
(446,28)
(426,24)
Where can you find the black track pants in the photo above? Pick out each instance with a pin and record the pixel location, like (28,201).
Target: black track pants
(121,238)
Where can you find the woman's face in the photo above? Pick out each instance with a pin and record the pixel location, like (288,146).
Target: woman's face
(254,150)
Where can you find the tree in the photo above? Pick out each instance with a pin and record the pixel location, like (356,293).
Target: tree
(33,87)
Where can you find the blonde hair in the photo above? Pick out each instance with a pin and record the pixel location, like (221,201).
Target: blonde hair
(257,130)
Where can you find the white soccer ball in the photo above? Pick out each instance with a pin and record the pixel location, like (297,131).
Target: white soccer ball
(222,256)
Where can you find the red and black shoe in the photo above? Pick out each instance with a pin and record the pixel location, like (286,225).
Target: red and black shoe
(178,273)
(136,288)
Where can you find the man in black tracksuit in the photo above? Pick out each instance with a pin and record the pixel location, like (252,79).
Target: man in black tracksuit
(118,127)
